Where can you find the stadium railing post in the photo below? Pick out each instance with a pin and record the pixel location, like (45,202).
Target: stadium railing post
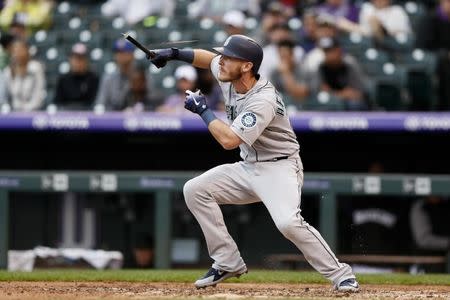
(162,229)
(4,223)
(328,219)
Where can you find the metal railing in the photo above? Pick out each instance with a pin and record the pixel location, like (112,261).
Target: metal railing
(163,183)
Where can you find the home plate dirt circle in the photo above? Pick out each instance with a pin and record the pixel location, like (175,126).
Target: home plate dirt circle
(130,290)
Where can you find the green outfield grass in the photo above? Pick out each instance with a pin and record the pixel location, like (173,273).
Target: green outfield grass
(254,276)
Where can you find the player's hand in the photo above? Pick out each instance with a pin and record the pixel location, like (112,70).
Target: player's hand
(163,56)
(195,102)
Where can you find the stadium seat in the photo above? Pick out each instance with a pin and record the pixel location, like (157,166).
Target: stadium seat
(43,38)
(416,11)
(324,102)
(373,60)
(205,30)
(355,44)
(420,68)
(388,89)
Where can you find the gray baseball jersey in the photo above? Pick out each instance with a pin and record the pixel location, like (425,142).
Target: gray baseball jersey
(259,118)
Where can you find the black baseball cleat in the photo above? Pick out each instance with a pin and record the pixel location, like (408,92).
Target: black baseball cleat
(348,285)
(214,276)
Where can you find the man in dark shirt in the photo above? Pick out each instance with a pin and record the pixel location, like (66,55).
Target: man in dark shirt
(78,88)
(435,36)
(340,75)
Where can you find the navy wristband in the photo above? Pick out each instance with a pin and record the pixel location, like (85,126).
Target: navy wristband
(208,116)
(186,55)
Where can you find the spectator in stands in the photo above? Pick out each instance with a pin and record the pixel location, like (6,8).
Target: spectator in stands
(429,223)
(35,14)
(286,77)
(139,97)
(342,13)
(78,88)
(273,16)
(381,19)
(114,87)
(340,76)
(234,22)
(186,77)
(211,89)
(435,36)
(316,56)
(25,79)
(271,58)
(134,11)
(307,33)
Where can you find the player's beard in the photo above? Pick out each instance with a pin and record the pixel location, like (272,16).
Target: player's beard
(230,75)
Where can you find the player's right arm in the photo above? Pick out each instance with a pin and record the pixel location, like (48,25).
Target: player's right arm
(203,58)
(198,58)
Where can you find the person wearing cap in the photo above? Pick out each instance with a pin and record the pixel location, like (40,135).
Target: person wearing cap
(341,77)
(274,14)
(186,77)
(234,21)
(115,86)
(271,170)
(278,33)
(316,56)
(77,89)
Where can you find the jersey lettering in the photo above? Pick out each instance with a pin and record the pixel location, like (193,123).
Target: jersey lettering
(281,108)
(231,112)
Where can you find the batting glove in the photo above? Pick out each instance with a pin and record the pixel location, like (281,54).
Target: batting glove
(196,102)
(163,56)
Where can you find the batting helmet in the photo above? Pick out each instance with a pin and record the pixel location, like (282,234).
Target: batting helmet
(242,47)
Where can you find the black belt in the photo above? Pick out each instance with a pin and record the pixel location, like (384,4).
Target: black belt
(276,159)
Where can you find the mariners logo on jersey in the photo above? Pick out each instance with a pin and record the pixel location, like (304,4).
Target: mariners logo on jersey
(248,119)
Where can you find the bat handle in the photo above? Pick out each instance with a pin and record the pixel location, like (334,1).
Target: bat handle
(149,53)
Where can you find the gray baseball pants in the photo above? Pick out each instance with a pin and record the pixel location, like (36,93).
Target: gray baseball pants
(278,185)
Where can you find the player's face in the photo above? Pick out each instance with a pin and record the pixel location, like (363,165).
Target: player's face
(230,68)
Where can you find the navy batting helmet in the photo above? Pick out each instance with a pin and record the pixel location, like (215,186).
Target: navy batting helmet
(242,47)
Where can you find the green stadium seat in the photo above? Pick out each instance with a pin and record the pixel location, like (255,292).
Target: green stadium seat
(416,12)
(373,60)
(355,44)
(420,68)
(181,8)
(324,102)
(388,89)
(66,8)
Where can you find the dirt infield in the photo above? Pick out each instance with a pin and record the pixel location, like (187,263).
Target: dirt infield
(125,290)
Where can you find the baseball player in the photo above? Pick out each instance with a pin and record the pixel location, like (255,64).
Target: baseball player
(271,170)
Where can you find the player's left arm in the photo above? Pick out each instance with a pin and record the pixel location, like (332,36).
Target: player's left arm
(224,134)
(196,102)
